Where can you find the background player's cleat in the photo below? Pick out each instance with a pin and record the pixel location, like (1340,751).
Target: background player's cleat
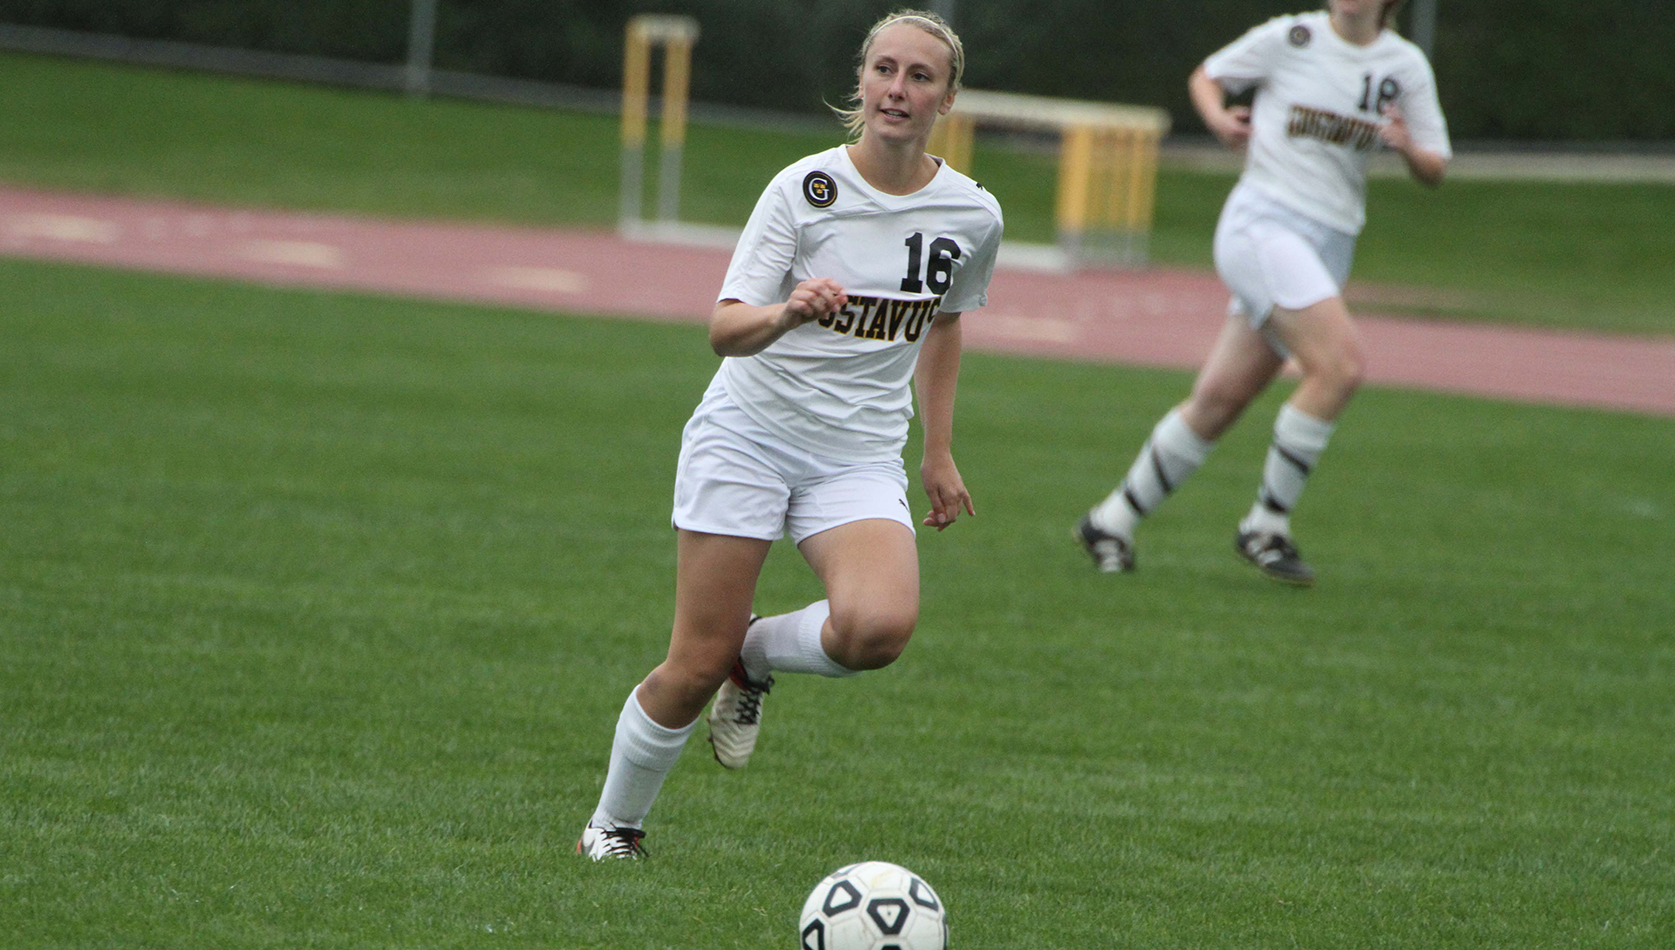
(1111,553)
(1275,556)
(736,716)
(601,843)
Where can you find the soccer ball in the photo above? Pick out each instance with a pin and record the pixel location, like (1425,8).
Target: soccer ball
(873,906)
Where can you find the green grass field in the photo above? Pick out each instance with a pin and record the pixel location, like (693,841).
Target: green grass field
(1584,255)
(318,611)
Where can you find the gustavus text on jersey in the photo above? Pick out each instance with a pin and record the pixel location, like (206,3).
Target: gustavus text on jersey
(1358,134)
(881,318)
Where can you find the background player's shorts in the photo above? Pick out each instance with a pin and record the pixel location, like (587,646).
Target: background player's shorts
(1269,255)
(736,478)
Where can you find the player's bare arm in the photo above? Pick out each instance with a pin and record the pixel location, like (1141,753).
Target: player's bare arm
(936,378)
(739,329)
(1424,165)
(1230,125)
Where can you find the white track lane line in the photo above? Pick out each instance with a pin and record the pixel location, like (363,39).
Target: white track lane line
(295,253)
(549,279)
(60,227)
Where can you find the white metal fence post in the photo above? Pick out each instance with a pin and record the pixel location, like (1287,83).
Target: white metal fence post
(1425,26)
(421,44)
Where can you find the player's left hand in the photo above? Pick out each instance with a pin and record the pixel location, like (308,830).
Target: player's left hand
(1394,131)
(946,491)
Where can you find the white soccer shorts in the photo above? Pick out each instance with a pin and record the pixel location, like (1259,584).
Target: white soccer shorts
(736,478)
(1269,255)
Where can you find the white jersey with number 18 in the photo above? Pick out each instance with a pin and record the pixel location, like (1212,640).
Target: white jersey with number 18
(840,386)
(1316,119)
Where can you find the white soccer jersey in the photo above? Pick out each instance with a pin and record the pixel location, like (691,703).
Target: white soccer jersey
(840,386)
(1315,121)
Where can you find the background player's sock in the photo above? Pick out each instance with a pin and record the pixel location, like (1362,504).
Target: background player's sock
(1299,438)
(1172,454)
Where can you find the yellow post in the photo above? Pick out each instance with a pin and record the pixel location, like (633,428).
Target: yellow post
(677,34)
(677,73)
(961,132)
(1111,172)
(1096,179)
(1075,174)
(951,140)
(937,144)
(636,89)
(1143,185)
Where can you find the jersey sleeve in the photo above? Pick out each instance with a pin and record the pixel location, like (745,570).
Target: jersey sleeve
(1423,112)
(767,246)
(971,285)
(1248,60)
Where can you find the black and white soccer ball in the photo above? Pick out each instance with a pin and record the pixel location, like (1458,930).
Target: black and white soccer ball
(874,905)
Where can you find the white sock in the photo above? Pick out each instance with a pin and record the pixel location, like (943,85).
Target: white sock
(1172,454)
(790,643)
(642,756)
(1299,439)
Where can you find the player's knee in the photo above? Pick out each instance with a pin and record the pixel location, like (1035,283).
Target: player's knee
(1213,408)
(689,683)
(1341,369)
(872,638)
(1347,368)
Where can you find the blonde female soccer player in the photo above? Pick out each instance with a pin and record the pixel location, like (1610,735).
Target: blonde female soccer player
(847,283)
(1332,87)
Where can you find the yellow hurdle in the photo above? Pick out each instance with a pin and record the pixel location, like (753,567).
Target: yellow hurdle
(1107,166)
(676,34)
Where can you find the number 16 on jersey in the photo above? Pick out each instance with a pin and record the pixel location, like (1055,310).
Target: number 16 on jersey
(939,273)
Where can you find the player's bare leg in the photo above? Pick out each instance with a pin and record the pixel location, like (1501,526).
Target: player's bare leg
(715,579)
(1239,367)
(870,570)
(1328,349)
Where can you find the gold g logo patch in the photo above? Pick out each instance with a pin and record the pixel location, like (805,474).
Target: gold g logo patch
(819,189)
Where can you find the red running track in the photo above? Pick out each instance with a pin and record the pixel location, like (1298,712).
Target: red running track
(1155,317)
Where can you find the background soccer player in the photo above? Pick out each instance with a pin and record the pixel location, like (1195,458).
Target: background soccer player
(1331,87)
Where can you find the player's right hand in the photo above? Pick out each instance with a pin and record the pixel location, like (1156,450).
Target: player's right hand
(1394,131)
(1233,128)
(813,299)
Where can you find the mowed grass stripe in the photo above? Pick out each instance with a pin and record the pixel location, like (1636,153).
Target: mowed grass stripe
(318,611)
